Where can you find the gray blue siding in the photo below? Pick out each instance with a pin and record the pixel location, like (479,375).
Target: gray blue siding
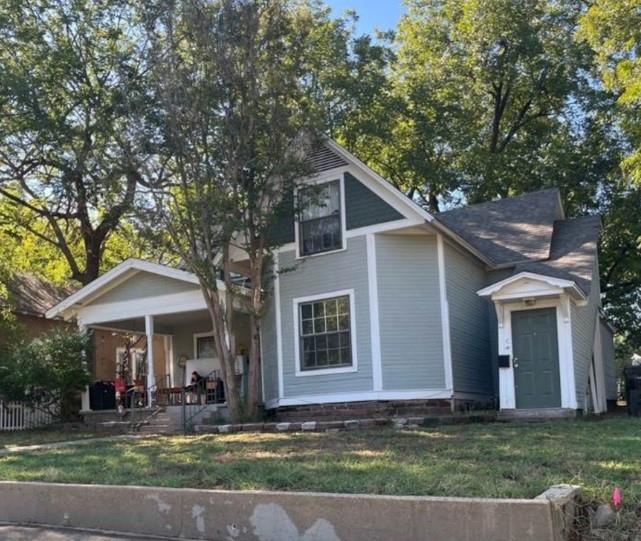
(607,346)
(143,285)
(409,313)
(319,275)
(363,207)
(469,324)
(584,319)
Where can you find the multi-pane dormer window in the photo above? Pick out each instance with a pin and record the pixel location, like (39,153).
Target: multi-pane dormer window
(320,218)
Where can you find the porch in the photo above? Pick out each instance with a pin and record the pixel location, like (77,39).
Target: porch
(152,335)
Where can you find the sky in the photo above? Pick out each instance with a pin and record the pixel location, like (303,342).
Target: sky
(381,14)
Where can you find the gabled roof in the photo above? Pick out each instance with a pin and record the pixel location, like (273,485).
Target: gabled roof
(115,276)
(573,254)
(568,285)
(391,193)
(390,190)
(529,233)
(509,230)
(31,295)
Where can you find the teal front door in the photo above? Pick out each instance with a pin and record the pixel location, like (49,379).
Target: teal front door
(536,359)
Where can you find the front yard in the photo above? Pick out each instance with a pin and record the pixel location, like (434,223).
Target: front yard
(41,436)
(490,460)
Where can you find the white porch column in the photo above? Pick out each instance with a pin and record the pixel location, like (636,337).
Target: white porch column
(85,404)
(151,377)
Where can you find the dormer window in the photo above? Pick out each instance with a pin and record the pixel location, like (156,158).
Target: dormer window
(320,218)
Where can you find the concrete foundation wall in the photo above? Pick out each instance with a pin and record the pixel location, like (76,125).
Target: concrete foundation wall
(278,516)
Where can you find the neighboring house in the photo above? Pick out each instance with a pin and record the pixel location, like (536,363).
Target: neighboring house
(29,297)
(379,304)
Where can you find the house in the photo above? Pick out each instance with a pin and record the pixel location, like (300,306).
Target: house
(379,306)
(28,299)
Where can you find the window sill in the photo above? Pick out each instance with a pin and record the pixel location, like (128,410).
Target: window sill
(319,254)
(326,371)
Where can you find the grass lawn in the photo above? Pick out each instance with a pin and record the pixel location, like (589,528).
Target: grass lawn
(36,437)
(490,460)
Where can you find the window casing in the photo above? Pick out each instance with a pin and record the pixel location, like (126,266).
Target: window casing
(319,223)
(205,347)
(325,334)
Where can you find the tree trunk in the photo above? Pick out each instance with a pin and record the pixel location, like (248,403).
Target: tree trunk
(253,390)
(93,253)
(221,326)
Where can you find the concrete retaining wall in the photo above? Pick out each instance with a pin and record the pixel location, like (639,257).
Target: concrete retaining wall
(277,516)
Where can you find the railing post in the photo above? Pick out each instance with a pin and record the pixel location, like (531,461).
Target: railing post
(151,380)
(183,398)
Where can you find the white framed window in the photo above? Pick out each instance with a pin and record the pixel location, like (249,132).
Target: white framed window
(204,346)
(325,334)
(320,224)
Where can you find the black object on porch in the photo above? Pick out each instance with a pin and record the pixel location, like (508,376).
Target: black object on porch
(632,375)
(102,396)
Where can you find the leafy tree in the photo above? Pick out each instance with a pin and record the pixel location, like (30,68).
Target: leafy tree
(620,259)
(48,373)
(613,29)
(235,121)
(8,328)
(491,92)
(71,94)
(22,250)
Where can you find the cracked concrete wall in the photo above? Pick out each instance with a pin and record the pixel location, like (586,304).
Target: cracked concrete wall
(277,516)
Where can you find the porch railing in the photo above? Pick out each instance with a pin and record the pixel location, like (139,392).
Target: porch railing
(206,392)
(17,416)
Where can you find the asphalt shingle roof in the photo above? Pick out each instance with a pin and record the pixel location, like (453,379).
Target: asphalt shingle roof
(574,252)
(509,230)
(31,295)
(529,232)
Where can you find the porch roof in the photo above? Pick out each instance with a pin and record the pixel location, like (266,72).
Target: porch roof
(528,284)
(183,297)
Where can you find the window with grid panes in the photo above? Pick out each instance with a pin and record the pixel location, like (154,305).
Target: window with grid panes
(325,334)
(320,219)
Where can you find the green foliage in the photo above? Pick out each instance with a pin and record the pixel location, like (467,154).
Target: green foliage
(47,373)
(621,264)
(613,29)
(71,93)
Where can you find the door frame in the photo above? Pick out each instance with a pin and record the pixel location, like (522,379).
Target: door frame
(552,312)
(562,303)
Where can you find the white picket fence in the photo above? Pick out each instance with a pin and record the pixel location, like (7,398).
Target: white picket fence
(17,416)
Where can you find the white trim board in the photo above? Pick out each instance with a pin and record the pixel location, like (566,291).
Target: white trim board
(126,267)
(279,329)
(374,320)
(386,191)
(445,313)
(175,303)
(361,396)
(352,322)
(548,285)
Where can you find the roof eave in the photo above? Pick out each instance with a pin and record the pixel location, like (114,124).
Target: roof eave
(567,285)
(92,288)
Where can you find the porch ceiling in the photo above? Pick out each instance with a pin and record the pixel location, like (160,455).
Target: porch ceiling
(163,324)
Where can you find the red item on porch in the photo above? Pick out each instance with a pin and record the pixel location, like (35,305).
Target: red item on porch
(120,385)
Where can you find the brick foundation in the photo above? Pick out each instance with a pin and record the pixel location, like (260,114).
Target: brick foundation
(363,410)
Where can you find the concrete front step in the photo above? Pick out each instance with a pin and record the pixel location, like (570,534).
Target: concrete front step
(538,414)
